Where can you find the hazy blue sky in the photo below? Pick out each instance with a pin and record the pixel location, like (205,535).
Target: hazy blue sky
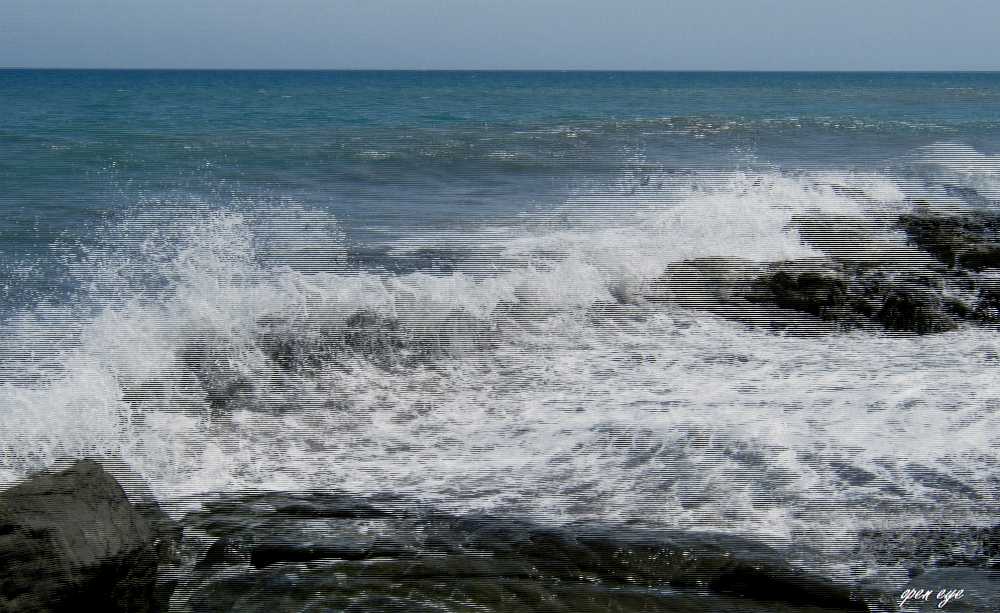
(504,34)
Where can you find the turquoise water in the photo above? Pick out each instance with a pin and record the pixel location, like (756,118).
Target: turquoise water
(429,283)
(381,151)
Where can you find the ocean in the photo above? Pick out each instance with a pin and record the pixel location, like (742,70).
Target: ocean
(442,286)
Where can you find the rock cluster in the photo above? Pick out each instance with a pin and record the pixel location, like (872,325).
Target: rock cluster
(948,278)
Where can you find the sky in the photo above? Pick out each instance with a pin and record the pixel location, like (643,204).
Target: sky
(503,34)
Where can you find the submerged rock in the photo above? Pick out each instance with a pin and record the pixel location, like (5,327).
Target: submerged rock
(72,540)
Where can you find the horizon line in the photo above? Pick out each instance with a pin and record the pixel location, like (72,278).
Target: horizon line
(803,70)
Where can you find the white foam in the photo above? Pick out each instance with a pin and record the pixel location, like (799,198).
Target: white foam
(958,164)
(544,394)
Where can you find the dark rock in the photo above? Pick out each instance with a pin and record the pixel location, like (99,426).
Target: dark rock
(306,351)
(808,292)
(734,289)
(987,311)
(377,338)
(225,387)
(382,340)
(969,240)
(823,293)
(914,308)
(867,283)
(981,256)
(955,590)
(942,237)
(269,554)
(374,335)
(957,308)
(705,282)
(922,548)
(72,539)
(233,551)
(272,553)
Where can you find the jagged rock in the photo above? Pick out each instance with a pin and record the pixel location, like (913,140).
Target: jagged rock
(72,540)
(848,295)
(704,282)
(302,351)
(919,548)
(378,338)
(941,557)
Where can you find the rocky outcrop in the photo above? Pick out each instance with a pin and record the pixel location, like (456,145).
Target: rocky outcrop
(72,541)
(961,241)
(948,277)
(856,296)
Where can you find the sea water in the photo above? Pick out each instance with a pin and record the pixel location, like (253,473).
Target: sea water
(433,284)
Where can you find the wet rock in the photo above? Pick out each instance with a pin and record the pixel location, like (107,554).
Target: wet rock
(734,289)
(862,297)
(968,240)
(980,256)
(380,339)
(847,295)
(865,284)
(987,310)
(705,282)
(791,297)
(376,338)
(810,292)
(914,308)
(922,548)
(820,288)
(210,361)
(344,556)
(956,590)
(72,539)
(375,335)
